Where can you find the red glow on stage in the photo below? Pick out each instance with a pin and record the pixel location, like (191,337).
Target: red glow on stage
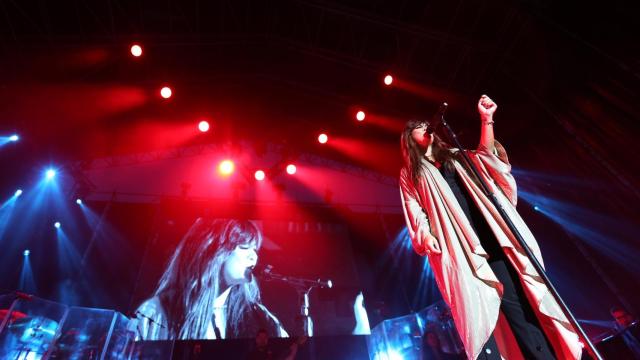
(166,92)
(226,167)
(319,181)
(85,58)
(385,122)
(203,126)
(291,169)
(78,105)
(323,138)
(153,133)
(118,99)
(371,154)
(136,50)
(391,124)
(432,93)
(388,80)
(259,175)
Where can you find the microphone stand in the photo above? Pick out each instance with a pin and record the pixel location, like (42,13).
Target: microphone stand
(304,320)
(138,313)
(303,288)
(494,199)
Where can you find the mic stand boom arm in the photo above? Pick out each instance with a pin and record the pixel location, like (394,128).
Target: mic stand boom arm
(491,195)
(296,281)
(303,288)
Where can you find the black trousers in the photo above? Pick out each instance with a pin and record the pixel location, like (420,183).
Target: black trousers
(520,315)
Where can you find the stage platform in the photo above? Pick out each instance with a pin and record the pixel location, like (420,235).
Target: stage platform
(348,347)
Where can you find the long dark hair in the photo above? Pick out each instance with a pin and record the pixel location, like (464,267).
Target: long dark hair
(412,152)
(192,279)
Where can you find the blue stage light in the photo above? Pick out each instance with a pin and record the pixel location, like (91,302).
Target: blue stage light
(536,208)
(57,224)
(50,174)
(390,354)
(18,193)
(79,201)
(14,137)
(26,252)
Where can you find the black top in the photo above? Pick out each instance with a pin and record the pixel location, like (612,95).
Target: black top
(476,219)
(254,317)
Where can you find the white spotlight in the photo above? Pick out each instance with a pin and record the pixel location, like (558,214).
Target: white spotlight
(50,174)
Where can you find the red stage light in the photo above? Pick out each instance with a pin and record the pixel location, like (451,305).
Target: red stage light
(360,115)
(203,126)
(166,92)
(136,50)
(226,167)
(259,175)
(388,80)
(323,138)
(291,169)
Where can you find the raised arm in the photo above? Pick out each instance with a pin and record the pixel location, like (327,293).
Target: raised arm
(492,154)
(486,108)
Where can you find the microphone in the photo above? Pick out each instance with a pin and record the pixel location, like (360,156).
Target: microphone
(248,273)
(268,274)
(437,118)
(137,314)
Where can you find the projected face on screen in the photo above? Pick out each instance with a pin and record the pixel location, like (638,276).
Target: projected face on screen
(209,289)
(238,266)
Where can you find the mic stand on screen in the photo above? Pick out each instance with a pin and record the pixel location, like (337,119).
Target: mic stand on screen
(139,315)
(303,288)
(534,261)
(304,321)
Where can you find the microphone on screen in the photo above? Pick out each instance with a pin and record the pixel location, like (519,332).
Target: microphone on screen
(267,273)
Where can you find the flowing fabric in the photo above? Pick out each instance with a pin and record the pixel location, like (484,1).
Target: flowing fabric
(467,283)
